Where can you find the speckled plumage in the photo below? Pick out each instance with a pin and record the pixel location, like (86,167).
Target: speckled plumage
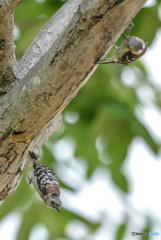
(46,184)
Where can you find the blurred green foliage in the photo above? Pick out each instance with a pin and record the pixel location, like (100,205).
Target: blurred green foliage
(107,124)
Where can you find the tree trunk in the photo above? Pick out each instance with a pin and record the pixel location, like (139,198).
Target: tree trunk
(54,68)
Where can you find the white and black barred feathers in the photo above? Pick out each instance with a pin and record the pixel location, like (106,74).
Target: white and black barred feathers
(46,183)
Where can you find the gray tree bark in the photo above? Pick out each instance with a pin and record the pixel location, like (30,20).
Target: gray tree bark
(54,68)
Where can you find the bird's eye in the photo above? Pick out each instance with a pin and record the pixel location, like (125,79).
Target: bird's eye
(52,202)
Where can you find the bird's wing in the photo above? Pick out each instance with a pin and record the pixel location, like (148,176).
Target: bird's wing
(46,179)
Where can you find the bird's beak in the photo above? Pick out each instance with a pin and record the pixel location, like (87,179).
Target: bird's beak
(58,209)
(126,37)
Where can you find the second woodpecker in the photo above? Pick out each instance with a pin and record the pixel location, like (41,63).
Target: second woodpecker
(129,51)
(46,184)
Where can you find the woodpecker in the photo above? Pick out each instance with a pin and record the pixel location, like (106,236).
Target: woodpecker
(129,51)
(46,184)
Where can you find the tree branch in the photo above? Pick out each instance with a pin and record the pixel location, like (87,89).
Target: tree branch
(54,68)
(8,68)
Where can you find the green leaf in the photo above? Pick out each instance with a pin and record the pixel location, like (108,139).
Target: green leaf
(121,231)
(119,179)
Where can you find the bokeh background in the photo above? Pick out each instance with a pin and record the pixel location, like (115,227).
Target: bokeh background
(107,153)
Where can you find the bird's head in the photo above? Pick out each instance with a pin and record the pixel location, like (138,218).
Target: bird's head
(136,45)
(53,201)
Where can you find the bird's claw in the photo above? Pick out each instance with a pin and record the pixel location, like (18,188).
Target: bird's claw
(131,25)
(30,180)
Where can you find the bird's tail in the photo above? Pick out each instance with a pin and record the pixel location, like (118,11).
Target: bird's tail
(32,155)
(34,159)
